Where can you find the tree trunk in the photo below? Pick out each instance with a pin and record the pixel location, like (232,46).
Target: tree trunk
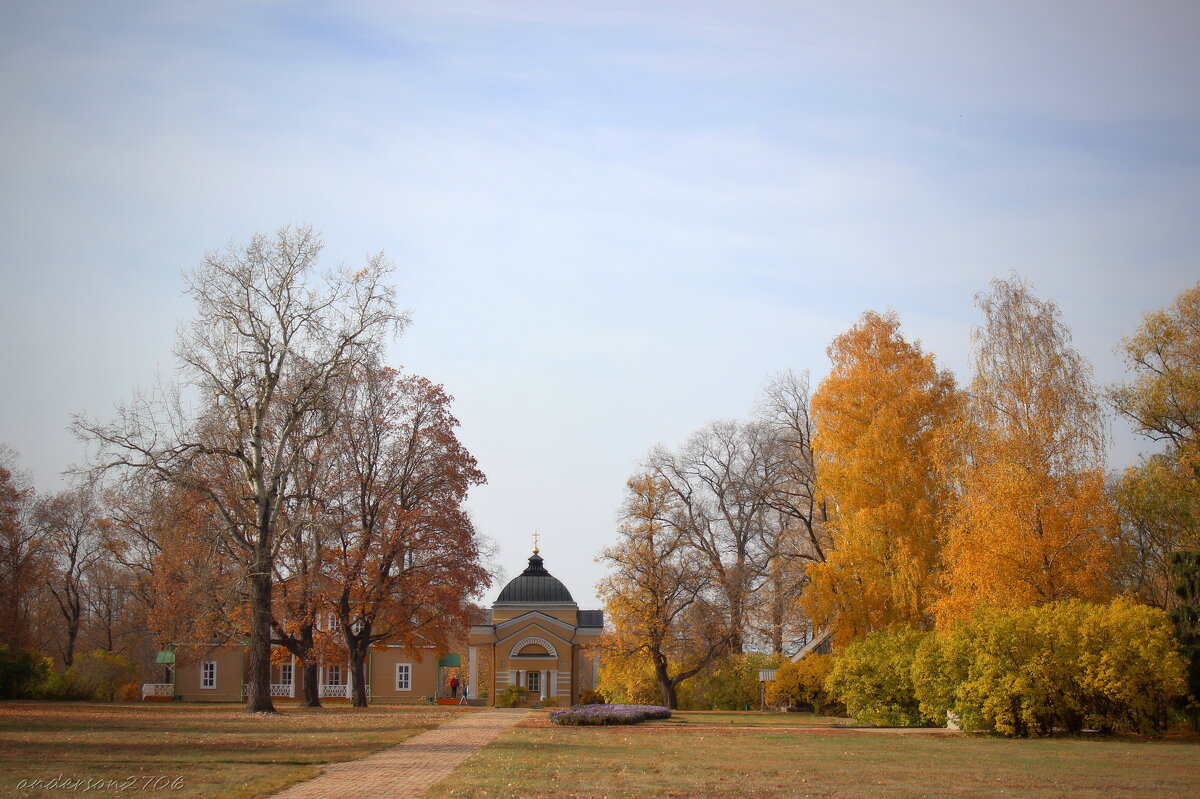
(310,689)
(666,685)
(358,646)
(258,668)
(736,622)
(358,658)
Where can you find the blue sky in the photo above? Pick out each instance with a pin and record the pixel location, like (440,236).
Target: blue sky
(612,222)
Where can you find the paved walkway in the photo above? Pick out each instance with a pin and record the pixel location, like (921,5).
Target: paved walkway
(411,767)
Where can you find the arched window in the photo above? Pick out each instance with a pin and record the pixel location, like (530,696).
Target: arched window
(534,647)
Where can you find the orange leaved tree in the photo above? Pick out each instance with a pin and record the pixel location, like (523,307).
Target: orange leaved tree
(882,416)
(404,557)
(1033,523)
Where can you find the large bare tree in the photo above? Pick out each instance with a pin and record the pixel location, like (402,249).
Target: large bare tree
(723,481)
(270,343)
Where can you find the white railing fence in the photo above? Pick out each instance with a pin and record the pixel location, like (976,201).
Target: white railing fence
(281,689)
(335,691)
(157,689)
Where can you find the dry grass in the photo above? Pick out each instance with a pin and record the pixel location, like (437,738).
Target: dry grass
(214,750)
(705,760)
(723,718)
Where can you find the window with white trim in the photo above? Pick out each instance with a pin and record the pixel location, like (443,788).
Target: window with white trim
(285,673)
(534,681)
(333,675)
(403,676)
(208,674)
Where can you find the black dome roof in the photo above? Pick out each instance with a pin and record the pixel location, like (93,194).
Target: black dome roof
(535,584)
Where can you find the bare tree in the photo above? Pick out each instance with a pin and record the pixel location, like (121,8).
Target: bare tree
(268,346)
(802,539)
(22,559)
(723,480)
(68,523)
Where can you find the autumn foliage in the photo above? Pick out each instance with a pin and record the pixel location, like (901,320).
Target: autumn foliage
(882,420)
(1031,521)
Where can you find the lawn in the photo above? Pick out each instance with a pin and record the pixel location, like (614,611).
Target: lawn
(724,718)
(206,749)
(697,759)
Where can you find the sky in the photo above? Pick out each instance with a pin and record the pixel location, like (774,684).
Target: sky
(612,222)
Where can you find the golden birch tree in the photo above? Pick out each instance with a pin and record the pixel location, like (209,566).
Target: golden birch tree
(881,416)
(1032,523)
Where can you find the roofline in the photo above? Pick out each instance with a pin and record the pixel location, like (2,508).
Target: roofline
(538,614)
(536,605)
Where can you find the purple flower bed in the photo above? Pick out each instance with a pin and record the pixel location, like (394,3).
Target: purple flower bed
(584,715)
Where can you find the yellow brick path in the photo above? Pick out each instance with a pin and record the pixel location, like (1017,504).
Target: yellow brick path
(411,767)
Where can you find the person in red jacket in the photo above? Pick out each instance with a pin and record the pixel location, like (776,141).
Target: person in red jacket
(454,687)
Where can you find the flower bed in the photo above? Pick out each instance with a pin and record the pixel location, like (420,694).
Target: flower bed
(586,715)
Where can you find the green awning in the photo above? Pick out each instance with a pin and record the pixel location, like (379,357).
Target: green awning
(165,656)
(451,661)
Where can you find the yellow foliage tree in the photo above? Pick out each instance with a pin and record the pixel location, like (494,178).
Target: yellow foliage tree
(1160,497)
(881,417)
(1032,523)
(1163,401)
(662,623)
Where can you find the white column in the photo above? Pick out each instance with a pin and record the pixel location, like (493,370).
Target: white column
(472,673)
(544,684)
(349,680)
(554,682)
(514,678)
(292,689)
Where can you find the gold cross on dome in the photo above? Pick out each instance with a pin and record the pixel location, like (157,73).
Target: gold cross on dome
(535,542)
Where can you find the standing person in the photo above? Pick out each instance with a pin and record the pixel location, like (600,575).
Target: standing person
(463,699)
(453,687)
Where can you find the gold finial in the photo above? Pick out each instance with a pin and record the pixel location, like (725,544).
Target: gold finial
(535,542)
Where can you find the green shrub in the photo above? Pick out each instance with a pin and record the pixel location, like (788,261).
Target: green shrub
(729,683)
(22,671)
(511,696)
(802,683)
(1062,666)
(99,673)
(873,678)
(591,698)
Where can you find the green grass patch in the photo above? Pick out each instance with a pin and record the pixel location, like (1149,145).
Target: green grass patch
(707,761)
(206,749)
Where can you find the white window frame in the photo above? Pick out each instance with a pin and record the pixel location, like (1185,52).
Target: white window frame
(404,676)
(286,673)
(533,681)
(333,675)
(208,674)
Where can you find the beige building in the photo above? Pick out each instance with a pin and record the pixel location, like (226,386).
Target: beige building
(534,636)
(218,674)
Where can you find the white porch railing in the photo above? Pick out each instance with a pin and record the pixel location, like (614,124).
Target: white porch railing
(335,691)
(157,689)
(281,689)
